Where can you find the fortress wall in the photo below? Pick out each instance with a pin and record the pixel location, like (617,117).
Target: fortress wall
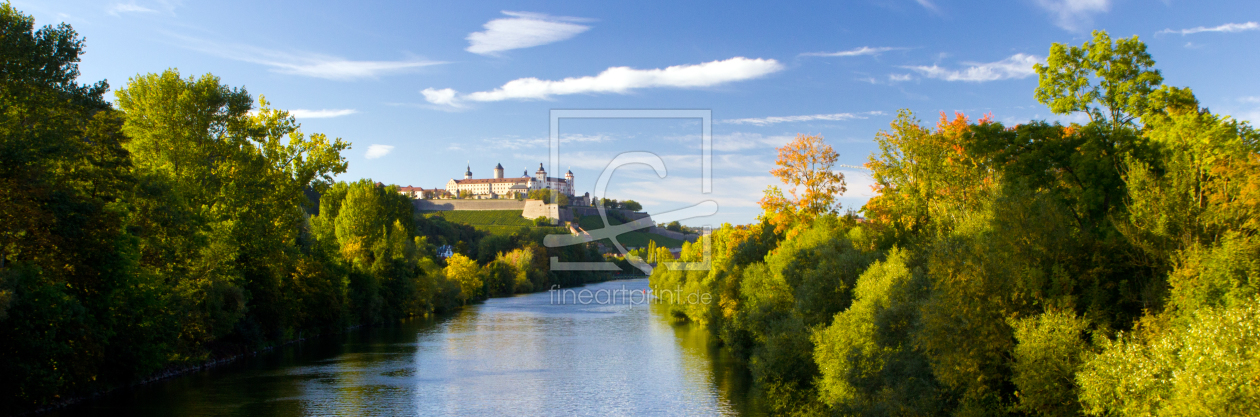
(672,234)
(592,211)
(535,208)
(472,205)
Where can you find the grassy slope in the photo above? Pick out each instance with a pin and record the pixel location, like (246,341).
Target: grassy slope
(498,218)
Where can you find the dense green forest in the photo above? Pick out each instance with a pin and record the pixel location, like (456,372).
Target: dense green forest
(1109,268)
(185,222)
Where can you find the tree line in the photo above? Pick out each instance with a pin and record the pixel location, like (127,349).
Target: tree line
(1103,268)
(187,221)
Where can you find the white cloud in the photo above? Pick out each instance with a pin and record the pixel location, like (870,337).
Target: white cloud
(321,114)
(131,7)
(333,68)
(1074,14)
(927,4)
(739,141)
(444,97)
(898,77)
(523,30)
(762,121)
(619,80)
(1016,66)
(1228,27)
(1251,99)
(303,63)
(865,50)
(377,151)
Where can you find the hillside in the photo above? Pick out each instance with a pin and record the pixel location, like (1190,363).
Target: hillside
(497,222)
(632,239)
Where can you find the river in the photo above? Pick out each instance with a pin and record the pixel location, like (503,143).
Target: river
(523,355)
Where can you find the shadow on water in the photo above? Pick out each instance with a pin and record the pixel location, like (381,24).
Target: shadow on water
(729,375)
(523,355)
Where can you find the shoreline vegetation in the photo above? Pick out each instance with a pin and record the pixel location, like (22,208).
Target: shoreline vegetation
(1104,268)
(185,223)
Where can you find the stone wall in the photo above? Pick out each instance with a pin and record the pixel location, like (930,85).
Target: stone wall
(471,205)
(672,234)
(536,208)
(592,211)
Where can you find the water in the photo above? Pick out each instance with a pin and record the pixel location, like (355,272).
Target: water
(523,355)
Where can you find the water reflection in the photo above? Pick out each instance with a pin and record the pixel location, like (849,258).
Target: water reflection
(510,356)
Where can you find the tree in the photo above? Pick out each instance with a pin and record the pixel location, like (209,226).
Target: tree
(1107,81)
(631,205)
(924,177)
(549,196)
(461,269)
(1203,365)
(76,315)
(805,167)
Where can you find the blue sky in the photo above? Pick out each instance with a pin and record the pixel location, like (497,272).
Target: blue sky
(423,88)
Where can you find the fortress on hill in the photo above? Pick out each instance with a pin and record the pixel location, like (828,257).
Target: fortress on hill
(499,186)
(510,193)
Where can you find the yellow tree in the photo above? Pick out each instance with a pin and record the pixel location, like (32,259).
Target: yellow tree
(461,269)
(805,168)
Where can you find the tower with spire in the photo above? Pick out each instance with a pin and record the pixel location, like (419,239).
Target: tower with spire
(498,171)
(468,172)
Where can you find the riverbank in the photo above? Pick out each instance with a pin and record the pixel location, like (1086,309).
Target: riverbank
(226,354)
(520,355)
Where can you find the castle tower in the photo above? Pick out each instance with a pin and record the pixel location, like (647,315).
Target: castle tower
(568,177)
(468,173)
(498,171)
(541,174)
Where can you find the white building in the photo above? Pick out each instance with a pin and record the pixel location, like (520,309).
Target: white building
(501,187)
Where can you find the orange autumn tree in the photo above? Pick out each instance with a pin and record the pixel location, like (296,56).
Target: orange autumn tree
(805,168)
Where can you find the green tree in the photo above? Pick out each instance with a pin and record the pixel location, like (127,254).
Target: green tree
(1108,81)
(1204,365)
(867,355)
(76,314)
(549,196)
(1050,351)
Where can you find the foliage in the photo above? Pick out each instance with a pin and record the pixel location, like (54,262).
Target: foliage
(469,276)
(549,196)
(1039,269)
(1050,351)
(176,228)
(1108,81)
(812,186)
(1206,365)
